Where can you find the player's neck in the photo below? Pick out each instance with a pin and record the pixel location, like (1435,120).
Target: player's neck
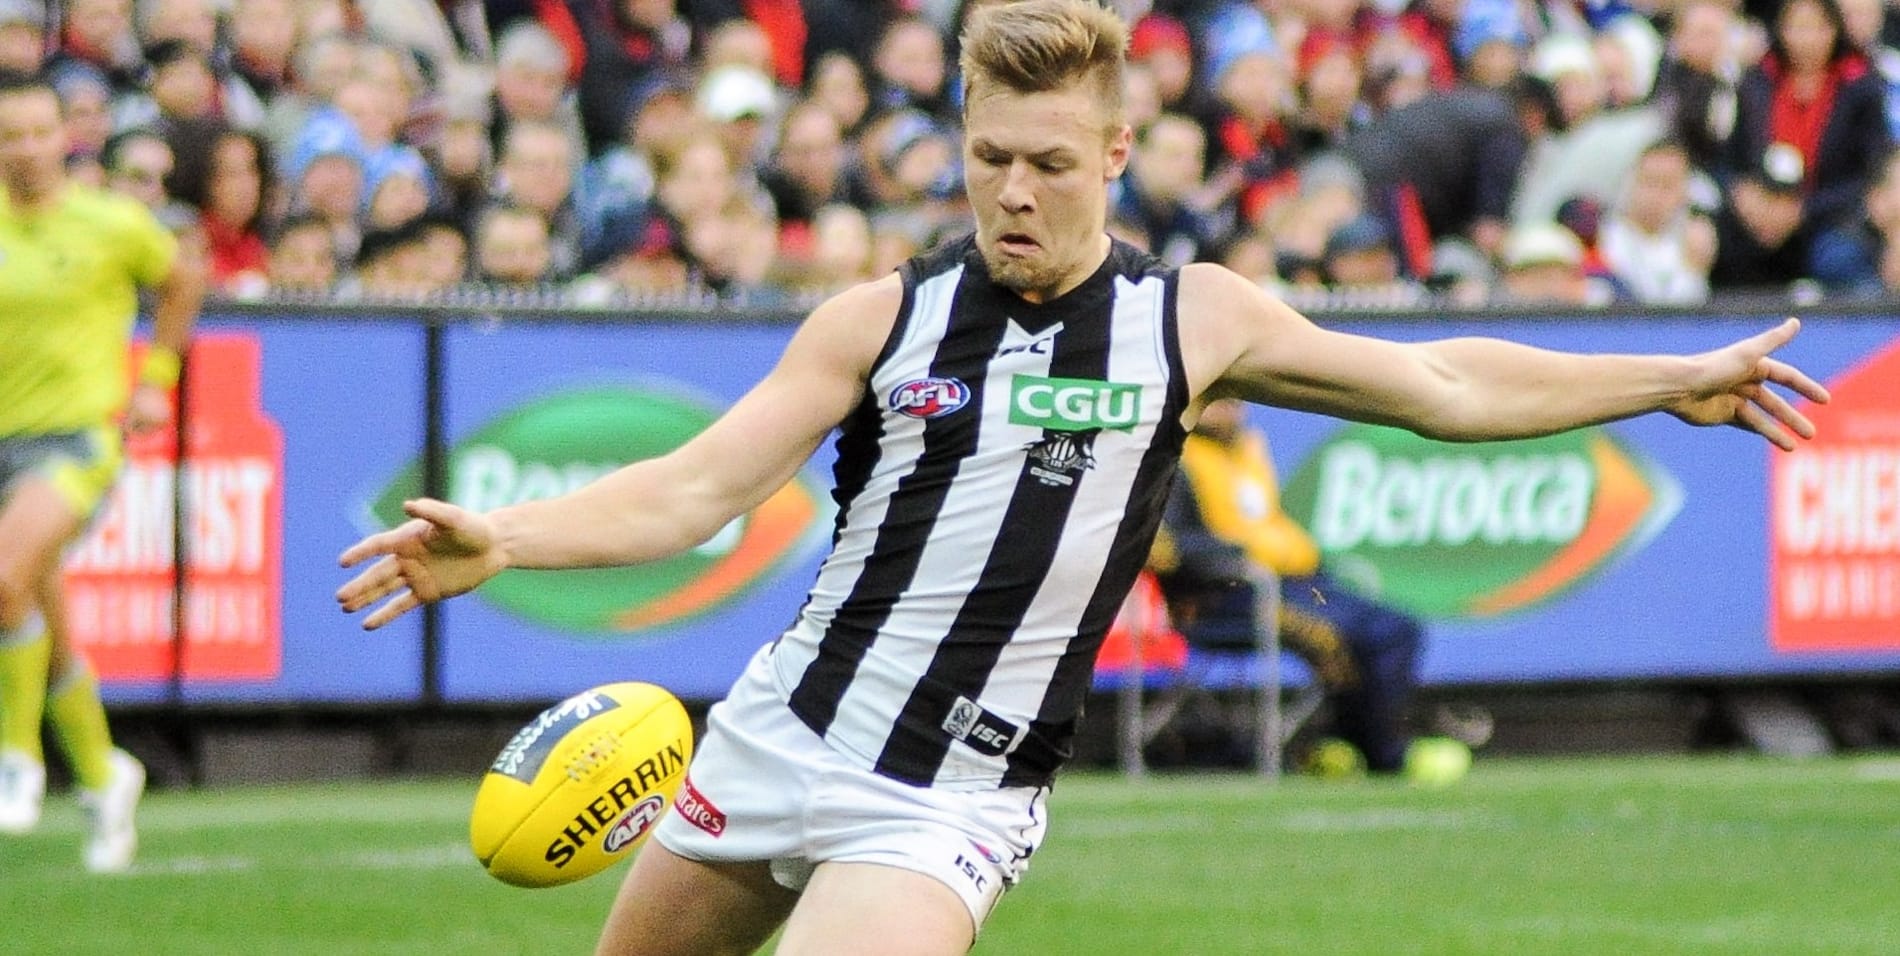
(32,198)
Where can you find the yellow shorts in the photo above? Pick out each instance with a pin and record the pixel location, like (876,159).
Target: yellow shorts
(80,465)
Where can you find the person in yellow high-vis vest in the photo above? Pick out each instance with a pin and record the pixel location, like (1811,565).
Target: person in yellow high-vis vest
(72,261)
(1223,516)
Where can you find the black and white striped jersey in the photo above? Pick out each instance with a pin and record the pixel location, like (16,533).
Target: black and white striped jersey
(998,489)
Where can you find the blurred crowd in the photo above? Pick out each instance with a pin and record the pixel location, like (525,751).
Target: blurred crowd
(1388,152)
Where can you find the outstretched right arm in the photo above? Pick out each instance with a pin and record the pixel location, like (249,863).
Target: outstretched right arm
(649,509)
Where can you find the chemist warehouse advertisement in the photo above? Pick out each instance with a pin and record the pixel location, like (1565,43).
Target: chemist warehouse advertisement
(120,578)
(1836,530)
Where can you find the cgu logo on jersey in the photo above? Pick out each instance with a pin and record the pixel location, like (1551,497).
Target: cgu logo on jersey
(561,441)
(1073,404)
(1477,530)
(929,397)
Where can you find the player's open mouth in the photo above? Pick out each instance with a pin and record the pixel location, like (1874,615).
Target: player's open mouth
(1017,244)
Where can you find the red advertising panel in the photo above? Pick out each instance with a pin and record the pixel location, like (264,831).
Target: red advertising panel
(119,582)
(1834,556)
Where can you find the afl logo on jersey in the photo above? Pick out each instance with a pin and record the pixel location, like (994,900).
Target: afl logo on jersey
(929,397)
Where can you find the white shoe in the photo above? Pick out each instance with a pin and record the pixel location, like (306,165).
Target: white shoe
(22,789)
(114,838)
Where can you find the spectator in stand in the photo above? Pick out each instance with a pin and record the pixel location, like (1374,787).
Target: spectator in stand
(512,248)
(1629,52)
(263,38)
(615,47)
(1141,98)
(447,248)
(741,103)
(99,32)
(232,204)
(391,264)
(1162,197)
(184,98)
(1588,149)
(1442,167)
(531,71)
(910,73)
(906,160)
(1653,240)
(842,237)
(807,174)
(1866,21)
(1544,269)
(737,42)
(537,171)
(1810,131)
(396,188)
(1251,147)
(303,257)
(1161,44)
(462,158)
(1329,86)
(837,84)
(1360,258)
(1489,41)
(85,104)
(1428,28)
(1861,257)
(137,163)
(1695,87)
(22,36)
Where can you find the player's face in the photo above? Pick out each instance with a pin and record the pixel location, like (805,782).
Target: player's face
(32,139)
(1037,167)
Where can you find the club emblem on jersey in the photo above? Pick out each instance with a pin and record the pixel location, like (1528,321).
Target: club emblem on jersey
(1060,457)
(929,397)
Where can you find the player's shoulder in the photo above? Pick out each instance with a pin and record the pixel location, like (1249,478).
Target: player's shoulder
(95,205)
(866,311)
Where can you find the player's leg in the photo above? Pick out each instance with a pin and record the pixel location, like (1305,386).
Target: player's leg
(109,780)
(34,520)
(672,906)
(868,909)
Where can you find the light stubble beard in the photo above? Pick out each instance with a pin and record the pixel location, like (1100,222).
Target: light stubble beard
(1021,276)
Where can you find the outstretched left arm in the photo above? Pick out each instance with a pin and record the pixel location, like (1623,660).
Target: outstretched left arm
(1246,344)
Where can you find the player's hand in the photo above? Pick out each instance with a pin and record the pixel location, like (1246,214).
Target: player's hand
(150,408)
(442,551)
(1731,387)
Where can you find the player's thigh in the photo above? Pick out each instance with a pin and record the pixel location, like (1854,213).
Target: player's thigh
(868,909)
(35,521)
(672,906)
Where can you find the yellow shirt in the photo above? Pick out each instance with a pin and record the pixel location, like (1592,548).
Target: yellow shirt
(1239,497)
(69,280)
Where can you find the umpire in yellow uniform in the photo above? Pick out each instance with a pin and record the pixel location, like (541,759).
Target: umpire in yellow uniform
(72,262)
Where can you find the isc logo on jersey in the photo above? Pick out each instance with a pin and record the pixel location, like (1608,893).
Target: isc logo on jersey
(929,397)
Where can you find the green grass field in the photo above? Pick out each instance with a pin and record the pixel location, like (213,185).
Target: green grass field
(1596,856)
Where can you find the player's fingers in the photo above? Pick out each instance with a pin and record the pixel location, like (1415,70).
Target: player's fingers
(382,542)
(1771,402)
(440,514)
(355,598)
(1751,416)
(378,578)
(1787,376)
(398,606)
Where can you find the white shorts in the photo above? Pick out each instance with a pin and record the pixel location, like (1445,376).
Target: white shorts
(763,787)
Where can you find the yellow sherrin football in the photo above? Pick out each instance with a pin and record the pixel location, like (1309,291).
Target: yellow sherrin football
(582,785)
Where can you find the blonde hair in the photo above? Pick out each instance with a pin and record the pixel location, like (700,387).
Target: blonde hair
(1036,46)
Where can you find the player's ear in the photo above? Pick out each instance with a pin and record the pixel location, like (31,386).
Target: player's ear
(1120,142)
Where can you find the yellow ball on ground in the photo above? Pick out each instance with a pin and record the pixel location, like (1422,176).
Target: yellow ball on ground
(1437,761)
